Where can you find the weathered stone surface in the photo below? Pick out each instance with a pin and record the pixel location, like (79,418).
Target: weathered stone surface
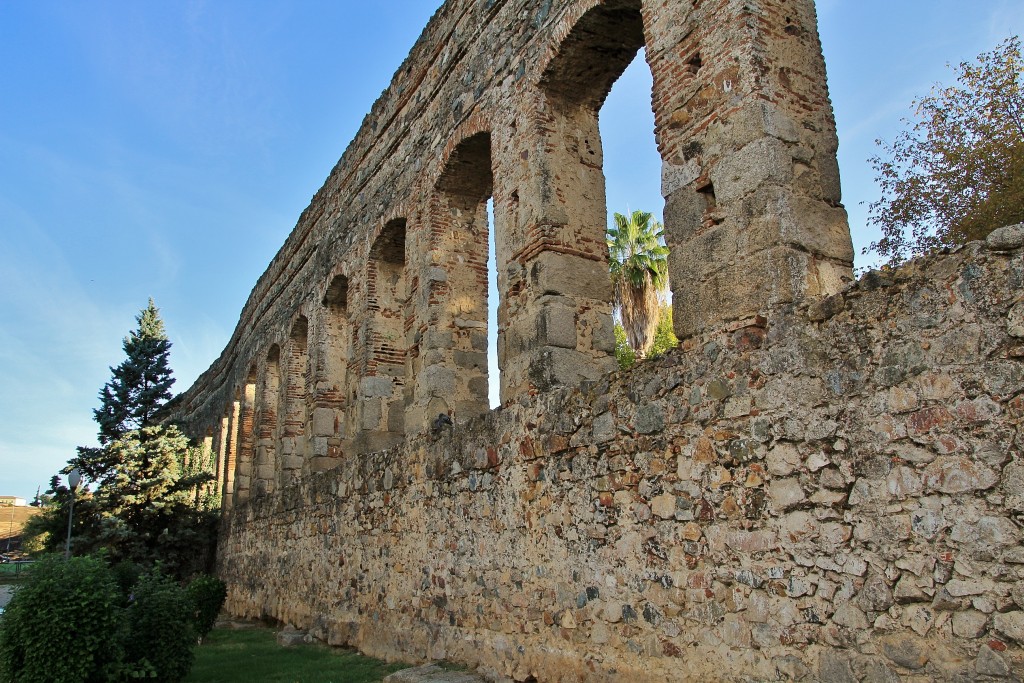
(922,559)
(958,475)
(849,616)
(908,590)
(291,637)
(1007,238)
(875,595)
(958,588)
(323,422)
(783,459)
(835,666)
(969,624)
(825,491)
(991,663)
(1010,624)
(988,531)
(650,418)
(1015,321)
(604,428)
(905,651)
(785,493)
(664,506)
(560,327)
(432,673)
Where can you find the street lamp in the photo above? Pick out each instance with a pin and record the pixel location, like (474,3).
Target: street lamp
(74,479)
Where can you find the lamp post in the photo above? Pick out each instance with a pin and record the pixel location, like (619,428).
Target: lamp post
(74,479)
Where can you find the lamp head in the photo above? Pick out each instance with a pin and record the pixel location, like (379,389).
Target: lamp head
(74,478)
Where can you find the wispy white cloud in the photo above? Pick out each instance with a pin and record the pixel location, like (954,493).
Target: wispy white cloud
(1006,19)
(187,70)
(54,349)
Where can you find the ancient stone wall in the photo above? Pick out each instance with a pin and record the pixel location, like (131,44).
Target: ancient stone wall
(372,319)
(829,491)
(820,482)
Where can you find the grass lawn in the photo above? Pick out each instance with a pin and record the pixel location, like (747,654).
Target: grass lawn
(251,655)
(14,573)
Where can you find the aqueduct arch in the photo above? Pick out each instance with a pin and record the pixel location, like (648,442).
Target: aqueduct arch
(601,523)
(753,218)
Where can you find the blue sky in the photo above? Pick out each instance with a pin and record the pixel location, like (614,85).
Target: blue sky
(166,149)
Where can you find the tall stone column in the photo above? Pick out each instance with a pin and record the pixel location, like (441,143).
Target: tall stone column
(231,456)
(246,441)
(746,132)
(294,434)
(449,368)
(553,266)
(221,441)
(267,467)
(331,389)
(379,402)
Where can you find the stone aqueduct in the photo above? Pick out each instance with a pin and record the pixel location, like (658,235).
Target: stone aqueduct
(822,483)
(372,319)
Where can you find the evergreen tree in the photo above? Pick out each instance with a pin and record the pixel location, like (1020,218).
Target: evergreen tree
(138,387)
(141,383)
(148,505)
(149,501)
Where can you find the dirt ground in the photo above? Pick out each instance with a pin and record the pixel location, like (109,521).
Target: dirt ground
(12,520)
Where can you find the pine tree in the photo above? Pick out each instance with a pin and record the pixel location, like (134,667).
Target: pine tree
(147,502)
(138,387)
(140,384)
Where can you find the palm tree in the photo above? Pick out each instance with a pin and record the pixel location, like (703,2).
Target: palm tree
(639,269)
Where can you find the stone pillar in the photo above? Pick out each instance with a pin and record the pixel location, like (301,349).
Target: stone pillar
(231,455)
(556,322)
(222,453)
(449,368)
(246,441)
(206,458)
(379,414)
(553,256)
(294,440)
(333,354)
(745,128)
(266,468)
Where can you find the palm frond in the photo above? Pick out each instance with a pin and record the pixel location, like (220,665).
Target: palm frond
(639,271)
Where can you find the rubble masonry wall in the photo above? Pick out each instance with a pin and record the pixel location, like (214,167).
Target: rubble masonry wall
(831,491)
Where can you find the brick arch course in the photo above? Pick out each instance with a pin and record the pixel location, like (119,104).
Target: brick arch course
(597,524)
(741,111)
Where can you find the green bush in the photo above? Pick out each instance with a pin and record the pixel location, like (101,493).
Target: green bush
(63,625)
(161,635)
(208,594)
(664,340)
(126,574)
(81,621)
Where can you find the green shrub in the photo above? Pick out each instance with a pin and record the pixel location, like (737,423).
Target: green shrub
(81,621)
(63,625)
(126,574)
(161,635)
(208,594)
